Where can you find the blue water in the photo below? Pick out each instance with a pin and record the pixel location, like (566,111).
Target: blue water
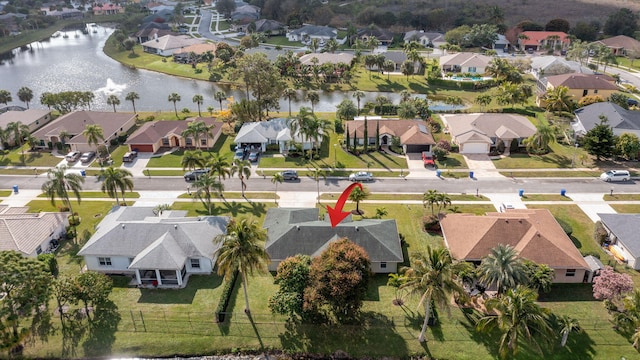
(439,106)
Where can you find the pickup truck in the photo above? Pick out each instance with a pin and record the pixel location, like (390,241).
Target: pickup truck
(427,159)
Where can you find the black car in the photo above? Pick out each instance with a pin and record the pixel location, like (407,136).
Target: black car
(289,175)
(195,174)
(632,102)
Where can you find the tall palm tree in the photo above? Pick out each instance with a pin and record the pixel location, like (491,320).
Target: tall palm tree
(544,135)
(59,185)
(174,98)
(358,95)
(93,133)
(220,96)
(114,101)
(313,97)
(5,97)
(558,100)
(290,94)
(430,198)
(195,129)
(192,160)
(503,268)
(219,165)
(198,99)
(116,179)
(567,325)
(243,169)
(133,96)
(298,125)
(276,179)
(204,185)
(25,95)
(318,129)
(332,45)
(518,315)
(243,250)
(63,136)
(358,195)
(317,175)
(20,133)
(431,276)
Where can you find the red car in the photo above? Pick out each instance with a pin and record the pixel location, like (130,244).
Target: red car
(427,159)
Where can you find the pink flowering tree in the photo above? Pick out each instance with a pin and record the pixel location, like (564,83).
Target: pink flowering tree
(610,285)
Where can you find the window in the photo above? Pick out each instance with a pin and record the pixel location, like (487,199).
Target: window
(195,263)
(595,91)
(39,250)
(472,69)
(570,273)
(383,265)
(585,92)
(104,261)
(165,141)
(189,141)
(130,260)
(203,142)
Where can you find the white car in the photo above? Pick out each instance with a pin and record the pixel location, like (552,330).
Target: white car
(361,176)
(615,175)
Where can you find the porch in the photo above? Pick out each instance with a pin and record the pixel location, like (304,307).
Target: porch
(156,278)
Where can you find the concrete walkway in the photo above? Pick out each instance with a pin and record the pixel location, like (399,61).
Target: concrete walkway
(302,199)
(499,199)
(138,165)
(592,204)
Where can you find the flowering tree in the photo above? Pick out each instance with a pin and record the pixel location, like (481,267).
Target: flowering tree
(610,285)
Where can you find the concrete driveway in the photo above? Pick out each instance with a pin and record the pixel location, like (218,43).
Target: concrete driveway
(481,165)
(417,170)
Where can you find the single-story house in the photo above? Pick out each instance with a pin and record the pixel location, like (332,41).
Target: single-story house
(533,233)
(293,231)
(385,37)
(621,120)
(464,62)
(152,30)
(151,136)
(581,85)
(33,118)
(168,44)
(477,133)
(398,57)
(312,32)
(268,26)
(621,45)
(245,14)
(414,135)
(426,39)
(108,9)
(64,14)
(501,43)
(541,40)
(162,15)
(552,65)
(326,58)
(623,236)
(28,233)
(185,55)
(74,123)
(157,249)
(274,131)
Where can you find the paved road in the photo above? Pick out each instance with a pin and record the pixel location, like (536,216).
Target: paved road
(384,185)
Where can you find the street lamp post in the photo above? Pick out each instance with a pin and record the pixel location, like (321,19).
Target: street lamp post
(335,154)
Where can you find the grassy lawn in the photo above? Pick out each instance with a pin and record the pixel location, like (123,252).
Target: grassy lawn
(229,208)
(5,193)
(626,208)
(550,174)
(14,157)
(622,197)
(238,195)
(224,146)
(544,197)
(282,41)
(452,161)
(400,197)
(116,156)
(560,157)
(100,194)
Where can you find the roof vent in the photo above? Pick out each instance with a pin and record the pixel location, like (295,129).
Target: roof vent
(123,226)
(357,229)
(298,227)
(175,226)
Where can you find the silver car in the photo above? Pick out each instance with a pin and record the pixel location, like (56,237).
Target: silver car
(361,176)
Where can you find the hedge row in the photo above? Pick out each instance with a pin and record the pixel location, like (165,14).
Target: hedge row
(465,85)
(225,297)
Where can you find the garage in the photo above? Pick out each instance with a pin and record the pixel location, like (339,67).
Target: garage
(141,148)
(474,148)
(413,148)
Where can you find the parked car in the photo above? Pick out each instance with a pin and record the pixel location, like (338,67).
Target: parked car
(615,175)
(239,154)
(632,102)
(87,157)
(195,174)
(130,156)
(72,156)
(253,156)
(361,176)
(427,159)
(289,175)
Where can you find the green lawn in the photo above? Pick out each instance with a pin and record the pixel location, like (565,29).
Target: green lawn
(14,157)
(560,157)
(238,195)
(282,41)
(5,193)
(622,197)
(116,156)
(626,208)
(544,197)
(416,197)
(100,194)
(224,146)
(452,161)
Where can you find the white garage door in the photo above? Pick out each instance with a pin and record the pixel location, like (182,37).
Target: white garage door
(474,148)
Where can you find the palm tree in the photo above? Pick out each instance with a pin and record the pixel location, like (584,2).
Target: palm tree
(220,165)
(133,96)
(483,100)
(405,95)
(358,95)
(290,94)
(47,98)
(63,136)
(220,96)
(318,174)
(332,45)
(430,198)
(195,129)
(298,125)
(20,133)
(93,133)
(243,169)
(114,101)
(502,268)
(60,183)
(443,201)
(358,195)
(567,326)
(558,100)
(5,97)
(517,315)
(388,66)
(276,179)
(115,179)
(313,97)
(540,141)
(192,160)
(204,185)
(25,95)
(243,250)
(198,99)
(431,276)
(174,98)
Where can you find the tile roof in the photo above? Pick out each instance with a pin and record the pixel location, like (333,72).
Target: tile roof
(626,228)
(315,30)
(533,233)
(621,42)
(169,42)
(158,242)
(152,132)
(26,117)
(323,58)
(260,132)
(410,132)
(75,122)
(583,81)
(24,232)
(292,231)
(465,59)
(462,126)
(198,49)
(537,37)
(617,117)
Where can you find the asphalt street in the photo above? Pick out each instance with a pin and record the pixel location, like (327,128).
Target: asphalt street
(383,185)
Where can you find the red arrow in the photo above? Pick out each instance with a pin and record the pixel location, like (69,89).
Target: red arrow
(336,214)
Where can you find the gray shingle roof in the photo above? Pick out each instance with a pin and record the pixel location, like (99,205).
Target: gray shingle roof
(617,117)
(24,232)
(626,228)
(294,231)
(315,30)
(157,242)
(260,132)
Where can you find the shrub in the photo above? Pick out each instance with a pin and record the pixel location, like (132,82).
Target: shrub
(444,144)
(74,220)
(337,125)
(225,297)
(431,223)
(600,234)
(440,153)
(565,227)
(149,118)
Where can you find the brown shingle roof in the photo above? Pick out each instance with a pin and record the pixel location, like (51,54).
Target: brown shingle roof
(534,233)
(505,126)
(410,132)
(621,42)
(75,122)
(151,132)
(583,81)
(198,49)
